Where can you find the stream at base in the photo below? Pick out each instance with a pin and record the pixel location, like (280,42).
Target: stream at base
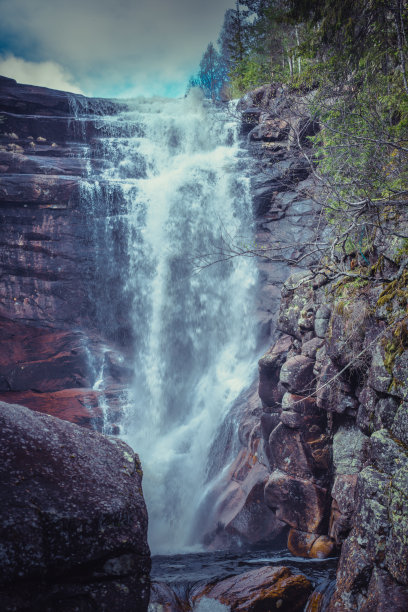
(185,572)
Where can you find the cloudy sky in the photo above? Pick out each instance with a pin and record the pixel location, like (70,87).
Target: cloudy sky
(107,47)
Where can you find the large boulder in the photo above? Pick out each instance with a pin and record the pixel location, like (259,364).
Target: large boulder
(297,375)
(298,502)
(73,522)
(312,545)
(288,453)
(266,588)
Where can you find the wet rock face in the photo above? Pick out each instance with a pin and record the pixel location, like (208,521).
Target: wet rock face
(333,424)
(283,194)
(267,588)
(298,502)
(72,518)
(338,457)
(332,427)
(48,258)
(234,511)
(289,439)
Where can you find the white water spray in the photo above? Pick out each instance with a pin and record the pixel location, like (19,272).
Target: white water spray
(173,185)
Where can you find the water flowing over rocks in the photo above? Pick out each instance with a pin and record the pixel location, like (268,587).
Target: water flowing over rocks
(103,206)
(73,519)
(286,216)
(315,451)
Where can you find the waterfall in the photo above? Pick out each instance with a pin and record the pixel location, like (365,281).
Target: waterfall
(166,180)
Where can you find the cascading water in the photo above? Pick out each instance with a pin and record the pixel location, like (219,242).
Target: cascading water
(166,182)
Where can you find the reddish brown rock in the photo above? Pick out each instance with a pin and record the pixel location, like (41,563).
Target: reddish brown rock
(269,420)
(298,502)
(32,189)
(46,255)
(310,545)
(249,408)
(323,547)
(77,406)
(240,513)
(301,542)
(288,453)
(315,601)
(299,403)
(302,413)
(260,590)
(319,448)
(48,362)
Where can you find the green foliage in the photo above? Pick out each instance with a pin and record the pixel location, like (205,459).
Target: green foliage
(395,346)
(353,54)
(246,75)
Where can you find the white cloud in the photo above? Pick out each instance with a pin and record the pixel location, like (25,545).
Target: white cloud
(114,45)
(45,74)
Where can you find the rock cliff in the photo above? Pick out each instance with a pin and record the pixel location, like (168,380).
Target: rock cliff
(73,519)
(288,217)
(51,348)
(330,425)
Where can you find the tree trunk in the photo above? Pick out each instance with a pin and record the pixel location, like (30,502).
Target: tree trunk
(400,40)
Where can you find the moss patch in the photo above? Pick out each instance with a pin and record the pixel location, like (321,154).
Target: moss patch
(396,345)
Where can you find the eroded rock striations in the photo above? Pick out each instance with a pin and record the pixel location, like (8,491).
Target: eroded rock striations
(51,347)
(73,520)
